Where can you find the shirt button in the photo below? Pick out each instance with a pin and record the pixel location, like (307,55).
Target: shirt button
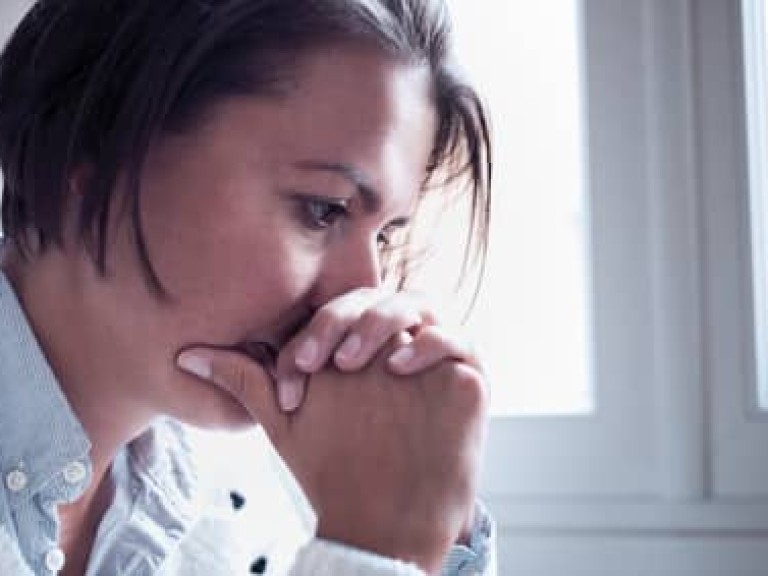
(54,560)
(75,472)
(16,480)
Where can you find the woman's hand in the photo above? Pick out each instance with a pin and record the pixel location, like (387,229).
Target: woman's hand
(389,462)
(351,329)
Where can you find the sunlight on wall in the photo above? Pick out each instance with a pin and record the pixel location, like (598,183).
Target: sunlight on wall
(531,323)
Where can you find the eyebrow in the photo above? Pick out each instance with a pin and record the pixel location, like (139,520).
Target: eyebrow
(370,196)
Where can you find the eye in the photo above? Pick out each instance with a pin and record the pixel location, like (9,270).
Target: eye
(321,213)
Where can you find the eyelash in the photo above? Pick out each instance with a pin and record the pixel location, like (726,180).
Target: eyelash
(330,211)
(322,213)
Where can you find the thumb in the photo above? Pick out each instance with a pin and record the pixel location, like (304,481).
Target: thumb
(241,377)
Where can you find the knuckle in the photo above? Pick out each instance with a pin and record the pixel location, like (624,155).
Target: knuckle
(433,334)
(332,319)
(469,385)
(428,316)
(371,317)
(379,321)
(324,317)
(434,338)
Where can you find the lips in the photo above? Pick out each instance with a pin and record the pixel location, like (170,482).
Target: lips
(262,352)
(265,351)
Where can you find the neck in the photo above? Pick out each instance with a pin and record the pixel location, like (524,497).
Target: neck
(91,376)
(79,522)
(84,356)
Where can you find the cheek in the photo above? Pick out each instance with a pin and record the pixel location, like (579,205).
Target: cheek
(227,257)
(227,282)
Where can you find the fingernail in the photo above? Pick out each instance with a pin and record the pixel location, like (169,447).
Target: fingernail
(195,364)
(350,347)
(290,393)
(402,357)
(307,354)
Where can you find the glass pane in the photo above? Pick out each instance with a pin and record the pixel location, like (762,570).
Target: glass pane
(756,68)
(530,323)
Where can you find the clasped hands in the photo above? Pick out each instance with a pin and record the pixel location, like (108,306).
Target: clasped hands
(379,414)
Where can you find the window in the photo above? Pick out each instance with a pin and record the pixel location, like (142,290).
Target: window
(755,19)
(534,305)
(673,444)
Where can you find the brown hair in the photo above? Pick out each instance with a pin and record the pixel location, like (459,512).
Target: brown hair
(96,80)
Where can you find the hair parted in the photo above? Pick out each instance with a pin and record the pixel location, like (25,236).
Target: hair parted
(93,82)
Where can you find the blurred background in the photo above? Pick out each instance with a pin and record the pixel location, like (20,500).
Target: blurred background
(624,314)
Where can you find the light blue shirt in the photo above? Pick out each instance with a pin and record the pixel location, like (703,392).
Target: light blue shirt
(39,439)
(44,462)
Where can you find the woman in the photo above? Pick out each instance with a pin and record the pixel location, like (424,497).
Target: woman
(201,199)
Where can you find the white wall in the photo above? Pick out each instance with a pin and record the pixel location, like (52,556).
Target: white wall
(10,12)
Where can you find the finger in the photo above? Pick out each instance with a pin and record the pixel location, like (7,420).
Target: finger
(378,314)
(428,348)
(310,349)
(333,330)
(291,390)
(241,377)
(377,325)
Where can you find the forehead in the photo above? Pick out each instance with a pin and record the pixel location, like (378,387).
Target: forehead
(347,105)
(363,96)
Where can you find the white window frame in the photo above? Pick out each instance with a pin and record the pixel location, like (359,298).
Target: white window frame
(755,25)
(739,435)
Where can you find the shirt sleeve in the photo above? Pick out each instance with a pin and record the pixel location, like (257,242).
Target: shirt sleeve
(325,558)
(479,558)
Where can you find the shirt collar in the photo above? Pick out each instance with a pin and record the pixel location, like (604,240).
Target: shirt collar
(39,432)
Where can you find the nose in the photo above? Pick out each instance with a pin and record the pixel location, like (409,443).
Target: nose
(355,266)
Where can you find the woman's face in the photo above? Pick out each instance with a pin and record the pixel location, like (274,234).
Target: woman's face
(263,213)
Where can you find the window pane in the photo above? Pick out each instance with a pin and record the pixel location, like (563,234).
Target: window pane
(756,71)
(531,321)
